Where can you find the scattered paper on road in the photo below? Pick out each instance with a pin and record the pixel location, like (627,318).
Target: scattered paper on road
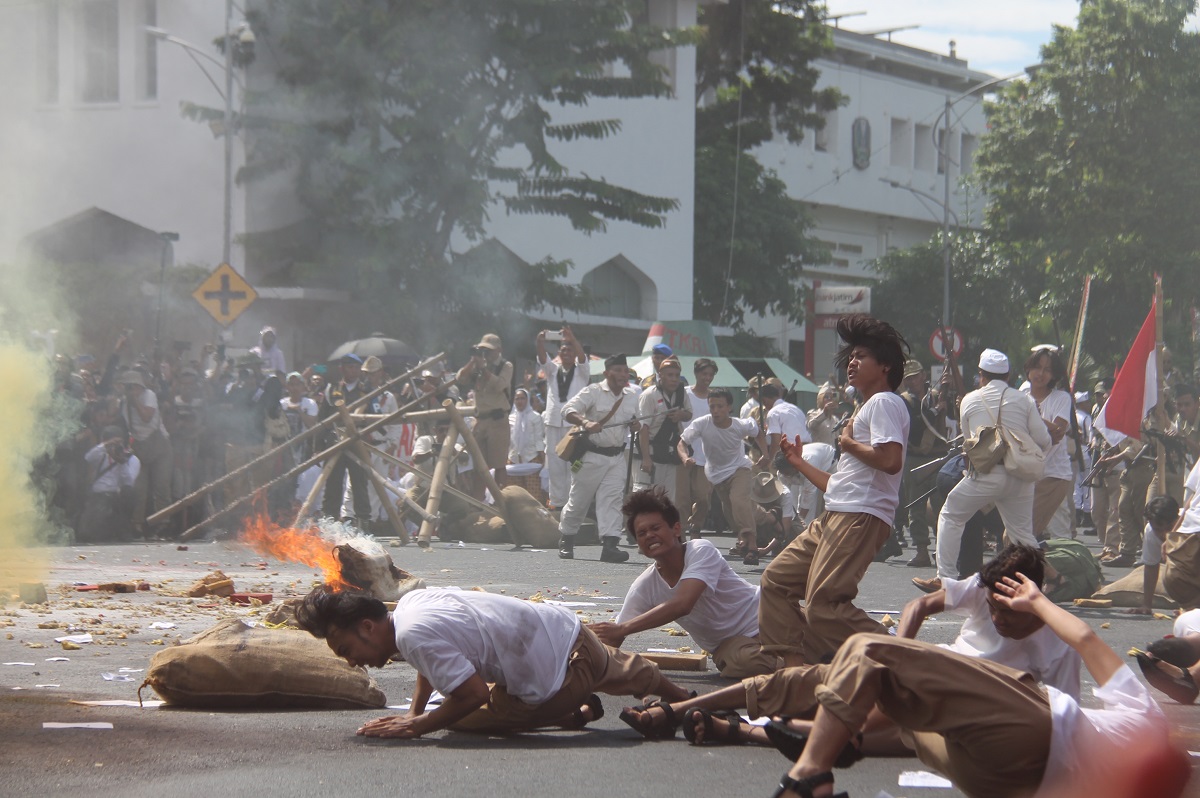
(77,639)
(923,778)
(18,663)
(130,670)
(570,603)
(120,702)
(58,659)
(116,677)
(163,625)
(96,725)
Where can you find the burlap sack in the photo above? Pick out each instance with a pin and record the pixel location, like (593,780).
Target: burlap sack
(529,523)
(482,528)
(235,666)
(1127,591)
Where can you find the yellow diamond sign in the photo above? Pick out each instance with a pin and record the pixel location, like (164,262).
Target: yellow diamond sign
(225,294)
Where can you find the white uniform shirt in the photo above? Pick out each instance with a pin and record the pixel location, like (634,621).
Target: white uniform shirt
(449,635)
(699,408)
(724,449)
(594,402)
(1043,654)
(785,419)
(857,487)
(1019,412)
(553,414)
(653,408)
(1055,406)
(728,607)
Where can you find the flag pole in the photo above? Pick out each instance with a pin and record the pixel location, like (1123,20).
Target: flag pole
(1160,410)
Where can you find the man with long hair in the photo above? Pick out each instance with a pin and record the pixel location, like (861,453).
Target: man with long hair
(823,566)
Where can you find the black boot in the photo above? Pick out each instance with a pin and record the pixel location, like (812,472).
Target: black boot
(610,552)
(566,547)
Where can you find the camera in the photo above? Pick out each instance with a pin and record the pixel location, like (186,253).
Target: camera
(477,351)
(554,335)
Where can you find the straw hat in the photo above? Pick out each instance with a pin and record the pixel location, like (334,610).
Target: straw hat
(767,488)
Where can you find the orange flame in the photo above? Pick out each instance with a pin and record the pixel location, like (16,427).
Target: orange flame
(295,545)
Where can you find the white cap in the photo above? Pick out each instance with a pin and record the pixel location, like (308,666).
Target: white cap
(993,361)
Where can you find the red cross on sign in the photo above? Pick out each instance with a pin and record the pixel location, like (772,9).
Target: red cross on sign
(225,294)
(937,343)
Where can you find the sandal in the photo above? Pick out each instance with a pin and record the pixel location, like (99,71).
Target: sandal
(804,787)
(791,743)
(733,732)
(597,708)
(1174,650)
(1176,682)
(631,715)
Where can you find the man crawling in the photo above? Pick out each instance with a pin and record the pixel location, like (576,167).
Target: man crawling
(503,665)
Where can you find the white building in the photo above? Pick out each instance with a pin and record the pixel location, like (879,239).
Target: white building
(884,134)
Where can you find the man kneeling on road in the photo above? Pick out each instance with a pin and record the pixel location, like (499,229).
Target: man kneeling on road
(504,665)
(691,584)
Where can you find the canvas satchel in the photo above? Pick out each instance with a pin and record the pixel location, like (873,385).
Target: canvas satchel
(574,445)
(987,447)
(1023,458)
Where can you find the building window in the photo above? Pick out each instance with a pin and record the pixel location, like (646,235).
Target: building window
(613,292)
(99,53)
(147,55)
(48,56)
(901,144)
(825,137)
(923,155)
(967,159)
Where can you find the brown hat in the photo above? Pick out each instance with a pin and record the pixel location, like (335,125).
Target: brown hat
(489,341)
(372,364)
(913,368)
(767,488)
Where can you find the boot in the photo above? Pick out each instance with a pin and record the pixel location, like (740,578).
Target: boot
(921,560)
(610,552)
(566,547)
(891,548)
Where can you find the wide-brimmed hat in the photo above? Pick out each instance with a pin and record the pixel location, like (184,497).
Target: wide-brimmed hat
(913,368)
(372,364)
(767,488)
(489,341)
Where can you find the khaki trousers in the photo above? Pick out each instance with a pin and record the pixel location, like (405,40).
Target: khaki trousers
(1181,569)
(822,567)
(1135,481)
(494,438)
(692,491)
(1048,495)
(737,504)
(982,725)
(742,657)
(1105,492)
(591,667)
(154,479)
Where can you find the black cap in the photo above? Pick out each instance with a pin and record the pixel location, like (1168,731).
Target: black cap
(615,360)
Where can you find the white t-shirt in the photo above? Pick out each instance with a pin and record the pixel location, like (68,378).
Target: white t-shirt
(111,476)
(1058,460)
(748,408)
(1151,547)
(141,430)
(699,408)
(785,419)
(292,412)
(579,380)
(724,448)
(856,487)
(1043,654)
(1187,624)
(728,607)
(449,635)
(1099,737)
(1192,483)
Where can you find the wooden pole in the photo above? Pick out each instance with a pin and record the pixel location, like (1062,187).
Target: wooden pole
(379,483)
(441,470)
(475,452)
(1160,410)
(399,494)
(455,492)
(315,491)
(315,429)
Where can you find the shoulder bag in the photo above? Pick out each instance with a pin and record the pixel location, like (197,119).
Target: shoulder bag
(574,444)
(987,447)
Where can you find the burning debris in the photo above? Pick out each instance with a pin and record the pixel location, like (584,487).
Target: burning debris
(347,558)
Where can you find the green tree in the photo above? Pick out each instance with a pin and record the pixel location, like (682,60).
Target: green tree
(406,124)
(1092,167)
(754,80)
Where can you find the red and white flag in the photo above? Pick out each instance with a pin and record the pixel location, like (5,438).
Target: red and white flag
(1135,391)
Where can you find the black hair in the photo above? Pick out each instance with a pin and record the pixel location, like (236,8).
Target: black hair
(1011,560)
(324,610)
(1183,389)
(1161,510)
(651,500)
(770,391)
(721,393)
(1058,369)
(704,363)
(881,339)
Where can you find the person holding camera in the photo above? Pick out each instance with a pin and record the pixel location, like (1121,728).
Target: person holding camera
(663,407)
(566,375)
(112,472)
(490,375)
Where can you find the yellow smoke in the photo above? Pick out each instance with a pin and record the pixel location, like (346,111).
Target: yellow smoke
(25,384)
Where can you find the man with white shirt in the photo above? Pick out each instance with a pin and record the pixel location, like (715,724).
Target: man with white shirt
(824,564)
(692,488)
(504,665)
(604,410)
(994,402)
(663,408)
(112,471)
(728,467)
(566,375)
(784,420)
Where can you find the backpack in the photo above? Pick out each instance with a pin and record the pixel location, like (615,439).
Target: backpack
(1078,572)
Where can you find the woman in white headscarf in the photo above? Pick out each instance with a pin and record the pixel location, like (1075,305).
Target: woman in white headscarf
(528,441)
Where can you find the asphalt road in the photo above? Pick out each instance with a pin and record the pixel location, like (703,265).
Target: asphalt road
(199,753)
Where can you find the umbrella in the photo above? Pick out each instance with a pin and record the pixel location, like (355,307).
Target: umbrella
(390,350)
